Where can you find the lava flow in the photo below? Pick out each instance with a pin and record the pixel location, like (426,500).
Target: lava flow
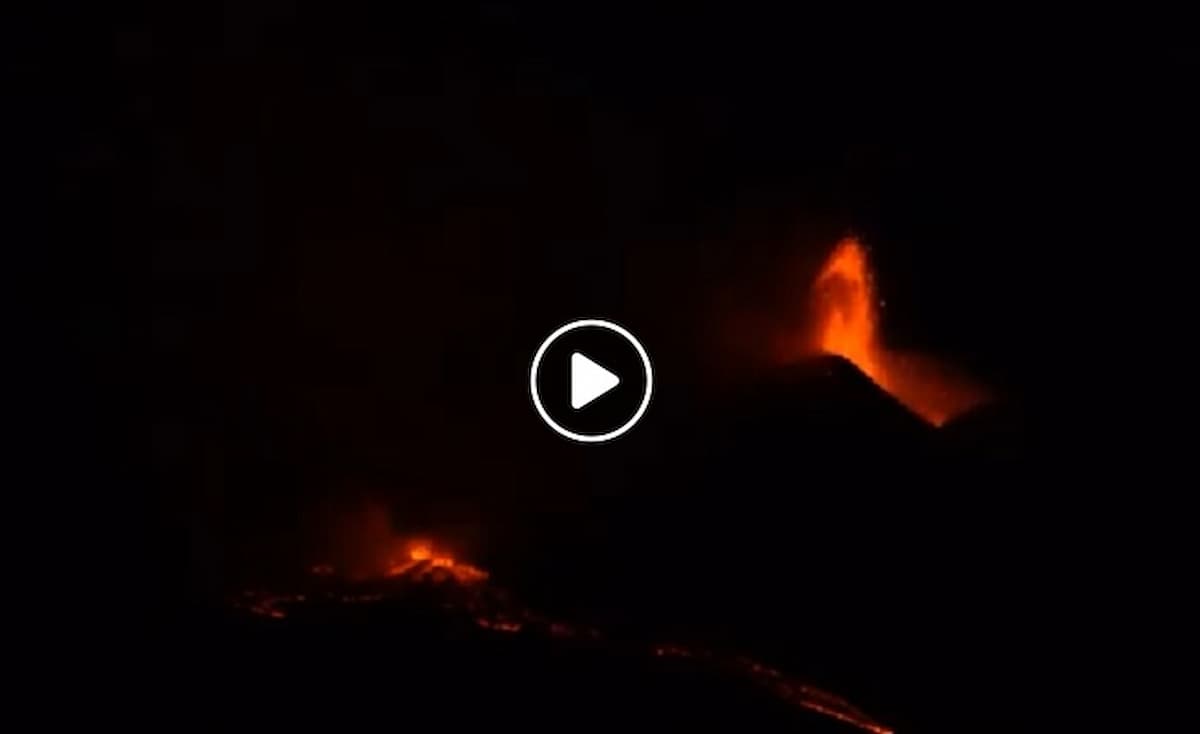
(462,591)
(846,310)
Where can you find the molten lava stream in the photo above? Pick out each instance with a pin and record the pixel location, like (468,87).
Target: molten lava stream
(846,311)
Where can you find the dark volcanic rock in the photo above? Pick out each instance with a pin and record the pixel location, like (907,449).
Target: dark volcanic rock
(366,671)
(828,393)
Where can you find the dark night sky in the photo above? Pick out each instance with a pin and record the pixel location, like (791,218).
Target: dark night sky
(331,223)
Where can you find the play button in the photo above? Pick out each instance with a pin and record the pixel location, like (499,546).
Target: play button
(591,380)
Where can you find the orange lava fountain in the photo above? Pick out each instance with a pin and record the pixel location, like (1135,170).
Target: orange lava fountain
(846,311)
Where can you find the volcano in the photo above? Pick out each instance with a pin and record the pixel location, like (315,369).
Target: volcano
(777,535)
(847,318)
(829,394)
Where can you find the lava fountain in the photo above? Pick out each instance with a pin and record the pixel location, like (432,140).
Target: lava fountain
(846,323)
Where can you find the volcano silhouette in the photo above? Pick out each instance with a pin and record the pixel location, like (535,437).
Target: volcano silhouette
(792,516)
(800,521)
(829,395)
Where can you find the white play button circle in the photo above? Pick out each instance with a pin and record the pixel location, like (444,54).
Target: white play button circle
(591,380)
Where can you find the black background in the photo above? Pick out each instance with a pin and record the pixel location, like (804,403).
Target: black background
(312,250)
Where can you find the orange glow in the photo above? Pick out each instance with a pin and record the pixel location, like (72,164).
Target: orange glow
(848,323)
(846,309)
(423,560)
(865,725)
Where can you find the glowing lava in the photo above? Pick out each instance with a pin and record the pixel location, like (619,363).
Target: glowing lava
(464,592)
(846,310)
(422,560)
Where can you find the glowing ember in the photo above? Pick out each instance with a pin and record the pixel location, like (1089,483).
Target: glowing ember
(499,625)
(420,551)
(847,324)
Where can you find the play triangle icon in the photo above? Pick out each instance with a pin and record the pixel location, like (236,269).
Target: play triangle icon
(589,380)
